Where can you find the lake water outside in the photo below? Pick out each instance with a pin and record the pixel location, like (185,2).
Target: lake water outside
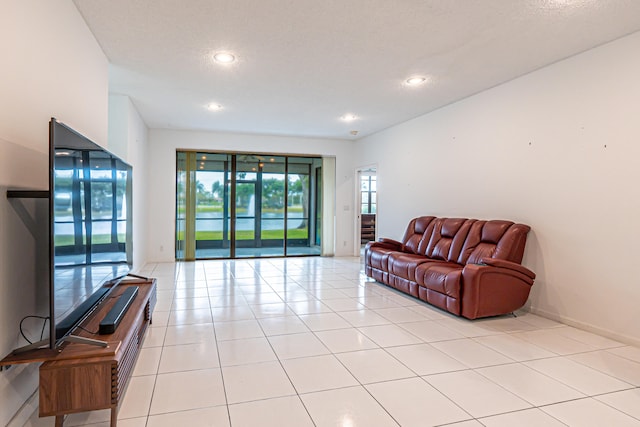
(213,221)
(206,221)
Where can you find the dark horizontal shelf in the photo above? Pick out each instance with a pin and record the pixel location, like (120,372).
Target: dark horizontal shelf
(27,194)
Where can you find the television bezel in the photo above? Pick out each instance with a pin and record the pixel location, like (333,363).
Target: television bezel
(91,302)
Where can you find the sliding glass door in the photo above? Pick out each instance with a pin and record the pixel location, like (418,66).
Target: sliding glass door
(260,198)
(247,205)
(212,207)
(302,209)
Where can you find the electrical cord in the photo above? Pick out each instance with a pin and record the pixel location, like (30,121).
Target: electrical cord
(44,324)
(45,318)
(86,330)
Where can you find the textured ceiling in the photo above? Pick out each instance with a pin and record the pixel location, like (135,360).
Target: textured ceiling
(302,64)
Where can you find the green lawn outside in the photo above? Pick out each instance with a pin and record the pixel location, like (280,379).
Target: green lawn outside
(250,235)
(97,239)
(218,209)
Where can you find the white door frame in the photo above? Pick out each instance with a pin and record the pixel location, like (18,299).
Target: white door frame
(372,169)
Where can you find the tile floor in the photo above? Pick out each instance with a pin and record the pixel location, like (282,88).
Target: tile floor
(313,342)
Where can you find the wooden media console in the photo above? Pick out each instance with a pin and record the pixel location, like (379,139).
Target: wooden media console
(82,377)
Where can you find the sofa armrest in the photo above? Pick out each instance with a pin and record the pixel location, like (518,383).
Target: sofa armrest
(389,241)
(489,290)
(386,243)
(501,263)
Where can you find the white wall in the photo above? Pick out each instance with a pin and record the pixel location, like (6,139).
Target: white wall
(128,137)
(51,66)
(162,175)
(558,149)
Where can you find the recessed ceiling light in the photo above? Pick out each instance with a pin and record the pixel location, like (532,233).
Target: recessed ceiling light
(416,80)
(349,117)
(224,57)
(214,107)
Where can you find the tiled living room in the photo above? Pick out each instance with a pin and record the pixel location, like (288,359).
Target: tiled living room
(522,111)
(313,341)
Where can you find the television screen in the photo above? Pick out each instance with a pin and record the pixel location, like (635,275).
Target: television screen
(90,210)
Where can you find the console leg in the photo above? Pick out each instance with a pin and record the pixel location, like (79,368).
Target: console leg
(114,417)
(59,420)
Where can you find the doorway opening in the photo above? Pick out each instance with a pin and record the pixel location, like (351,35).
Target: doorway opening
(367,205)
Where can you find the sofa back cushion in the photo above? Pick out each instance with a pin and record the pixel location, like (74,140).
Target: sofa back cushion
(465,241)
(511,245)
(415,233)
(446,239)
(494,239)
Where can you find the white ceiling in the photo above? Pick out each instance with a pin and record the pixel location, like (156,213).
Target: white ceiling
(302,64)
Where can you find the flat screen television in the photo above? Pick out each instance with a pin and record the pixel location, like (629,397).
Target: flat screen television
(90,211)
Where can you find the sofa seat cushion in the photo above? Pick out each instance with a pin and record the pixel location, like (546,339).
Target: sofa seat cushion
(404,265)
(442,277)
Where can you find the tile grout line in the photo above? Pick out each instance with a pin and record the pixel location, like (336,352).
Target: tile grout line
(476,339)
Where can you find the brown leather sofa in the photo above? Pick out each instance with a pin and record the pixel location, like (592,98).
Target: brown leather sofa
(467,267)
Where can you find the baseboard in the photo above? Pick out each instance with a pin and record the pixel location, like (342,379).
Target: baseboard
(586,326)
(25,412)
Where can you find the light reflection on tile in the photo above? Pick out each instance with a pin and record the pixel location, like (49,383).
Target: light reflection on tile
(313,341)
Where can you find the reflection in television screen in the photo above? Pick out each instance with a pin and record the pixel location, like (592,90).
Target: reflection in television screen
(91,225)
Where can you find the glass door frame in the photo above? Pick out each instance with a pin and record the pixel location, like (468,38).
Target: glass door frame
(189,234)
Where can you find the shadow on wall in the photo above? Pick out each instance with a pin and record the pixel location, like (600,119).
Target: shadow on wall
(17,384)
(534,260)
(24,282)
(23,291)
(23,260)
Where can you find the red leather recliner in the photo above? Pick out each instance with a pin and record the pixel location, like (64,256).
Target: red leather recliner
(467,267)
